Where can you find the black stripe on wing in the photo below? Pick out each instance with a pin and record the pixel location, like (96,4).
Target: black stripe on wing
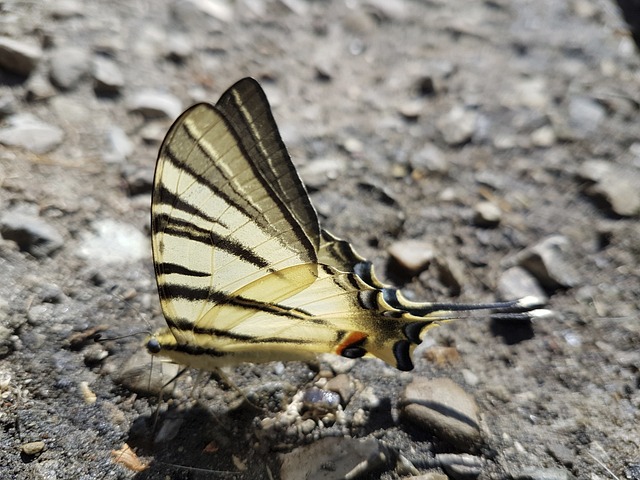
(167,152)
(171,291)
(181,228)
(164,196)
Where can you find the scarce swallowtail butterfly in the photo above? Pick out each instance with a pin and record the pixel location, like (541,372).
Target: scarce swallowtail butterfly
(245,273)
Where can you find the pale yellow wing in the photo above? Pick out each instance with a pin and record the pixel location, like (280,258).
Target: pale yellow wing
(244,271)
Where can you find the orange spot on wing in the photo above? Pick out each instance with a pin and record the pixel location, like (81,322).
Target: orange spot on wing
(352,338)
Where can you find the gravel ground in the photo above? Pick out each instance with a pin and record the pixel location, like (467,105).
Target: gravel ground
(501,138)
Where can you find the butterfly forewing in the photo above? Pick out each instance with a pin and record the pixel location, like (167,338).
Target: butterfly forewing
(217,224)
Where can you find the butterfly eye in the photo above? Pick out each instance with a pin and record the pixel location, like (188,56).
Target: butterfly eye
(153,346)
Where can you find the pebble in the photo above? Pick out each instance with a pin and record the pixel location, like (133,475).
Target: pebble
(516,282)
(69,65)
(460,466)
(451,274)
(31,233)
(532,93)
(487,214)
(458,125)
(18,57)
(8,105)
(348,458)
(411,110)
(614,186)
(197,14)
(107,76)
(32,448)
(139,179)
(179,47)
(113,242)
(543,137)
(118,146)
(412,256)
(142,376)
(155,104)
(540,473)
(429,476)
(548,262)
(430,159)
(39,88)
(469,377)
(319,401)
(343,386)
(40,314)
(585,115)
(443,408)
(562,454)
(63,9)
(337,363)
(94,354)
(26,131)
(318,173)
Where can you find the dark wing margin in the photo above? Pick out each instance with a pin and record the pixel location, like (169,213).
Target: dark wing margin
(246,108)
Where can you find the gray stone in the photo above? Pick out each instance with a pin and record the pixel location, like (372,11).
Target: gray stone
(144,377)
(562,454)
(548,262)
(107,76)
(616,186)
(18,57)
(412,109)
(443,408)
(118,146)
(39,88)
(516,282)
(585,115)
(487,214)
(155,104)
(179,46)
(201,15)
(458,125)
(26,131)
(8,105)
(450,273)
(63,9)
(412,256)
(333,457)
(317,173)
(540,473)
(112,242)
(544,136)
(320,401)
(430,159)
(343,385)
(31,233)
(460,466)
(32,448)
(69,64)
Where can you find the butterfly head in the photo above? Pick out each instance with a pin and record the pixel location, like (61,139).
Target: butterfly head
(153,345)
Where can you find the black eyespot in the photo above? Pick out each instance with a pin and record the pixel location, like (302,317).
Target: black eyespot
(401,351)
(153,346)
(412,331)
(353,352)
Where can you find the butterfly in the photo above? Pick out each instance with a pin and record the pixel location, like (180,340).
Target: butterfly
(245,272)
